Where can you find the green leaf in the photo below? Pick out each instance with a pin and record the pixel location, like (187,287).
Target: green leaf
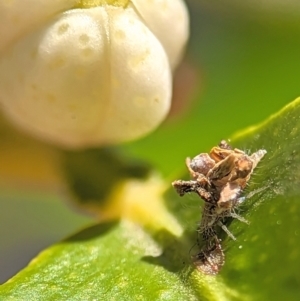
(125,261)
(93,174)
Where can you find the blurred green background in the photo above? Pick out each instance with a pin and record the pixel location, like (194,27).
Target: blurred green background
(247,64)
(241,65)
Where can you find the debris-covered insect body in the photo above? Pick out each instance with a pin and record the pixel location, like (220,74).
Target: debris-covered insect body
(219,179)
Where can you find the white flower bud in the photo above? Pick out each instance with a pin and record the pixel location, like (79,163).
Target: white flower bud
(92,75)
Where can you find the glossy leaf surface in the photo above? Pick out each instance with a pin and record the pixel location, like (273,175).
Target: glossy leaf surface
(122,261)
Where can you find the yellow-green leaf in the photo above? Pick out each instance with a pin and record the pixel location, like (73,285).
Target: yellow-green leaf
(124,261)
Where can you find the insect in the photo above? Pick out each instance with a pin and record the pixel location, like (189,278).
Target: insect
(219,178)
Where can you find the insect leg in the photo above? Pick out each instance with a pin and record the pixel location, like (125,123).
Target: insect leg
(183,187)
(240,218)
(240,200)
(225,229)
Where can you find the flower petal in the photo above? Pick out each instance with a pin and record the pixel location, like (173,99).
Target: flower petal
(19,17)
(169,21)
(141,78)
(87,77)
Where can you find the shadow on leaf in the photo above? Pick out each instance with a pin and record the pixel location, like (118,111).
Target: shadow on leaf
(93,232)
